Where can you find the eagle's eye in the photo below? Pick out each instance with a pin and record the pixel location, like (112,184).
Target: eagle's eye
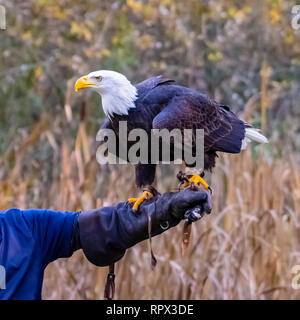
(98,78)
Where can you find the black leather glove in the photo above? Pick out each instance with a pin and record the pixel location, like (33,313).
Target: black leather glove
(106,233)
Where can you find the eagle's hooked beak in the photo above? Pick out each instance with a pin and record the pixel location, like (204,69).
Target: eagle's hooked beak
(83,83)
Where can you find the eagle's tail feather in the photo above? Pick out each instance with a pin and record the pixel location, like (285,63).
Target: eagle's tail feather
(253,134)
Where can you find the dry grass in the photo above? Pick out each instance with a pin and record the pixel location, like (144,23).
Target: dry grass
(244,250)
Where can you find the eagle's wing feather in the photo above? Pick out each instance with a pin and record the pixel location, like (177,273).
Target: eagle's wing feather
(223,131)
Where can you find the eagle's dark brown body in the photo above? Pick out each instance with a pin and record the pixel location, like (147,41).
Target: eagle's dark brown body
(164,105)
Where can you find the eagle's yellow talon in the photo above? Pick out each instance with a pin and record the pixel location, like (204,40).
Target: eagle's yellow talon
(138,201)
(197,180)
(131,200)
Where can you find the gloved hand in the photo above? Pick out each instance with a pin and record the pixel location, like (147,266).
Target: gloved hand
(106,233)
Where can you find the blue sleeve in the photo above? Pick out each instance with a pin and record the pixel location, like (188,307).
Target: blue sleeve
(29,240)
(53,231)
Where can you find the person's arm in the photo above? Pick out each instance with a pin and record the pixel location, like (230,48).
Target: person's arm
(106,233)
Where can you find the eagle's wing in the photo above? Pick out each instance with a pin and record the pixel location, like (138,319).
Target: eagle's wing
(223,131)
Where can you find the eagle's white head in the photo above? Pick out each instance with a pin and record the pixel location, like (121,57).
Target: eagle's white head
(118,94)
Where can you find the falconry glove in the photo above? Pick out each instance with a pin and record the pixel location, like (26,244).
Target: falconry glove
(106,233)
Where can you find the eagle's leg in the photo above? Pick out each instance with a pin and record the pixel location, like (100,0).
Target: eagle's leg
(148,192)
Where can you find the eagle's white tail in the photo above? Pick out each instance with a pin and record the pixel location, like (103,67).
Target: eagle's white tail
(255,135)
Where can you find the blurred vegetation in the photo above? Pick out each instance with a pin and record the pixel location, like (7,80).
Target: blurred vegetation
(244,54)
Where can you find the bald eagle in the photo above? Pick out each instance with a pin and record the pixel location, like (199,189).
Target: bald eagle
(158,103)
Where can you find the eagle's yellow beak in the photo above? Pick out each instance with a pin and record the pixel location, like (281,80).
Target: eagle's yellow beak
(83,82)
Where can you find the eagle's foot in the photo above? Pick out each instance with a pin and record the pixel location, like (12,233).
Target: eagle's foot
(137,201)
(194,182)
(197,180)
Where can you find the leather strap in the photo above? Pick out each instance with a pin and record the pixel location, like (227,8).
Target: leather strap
(109,290)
